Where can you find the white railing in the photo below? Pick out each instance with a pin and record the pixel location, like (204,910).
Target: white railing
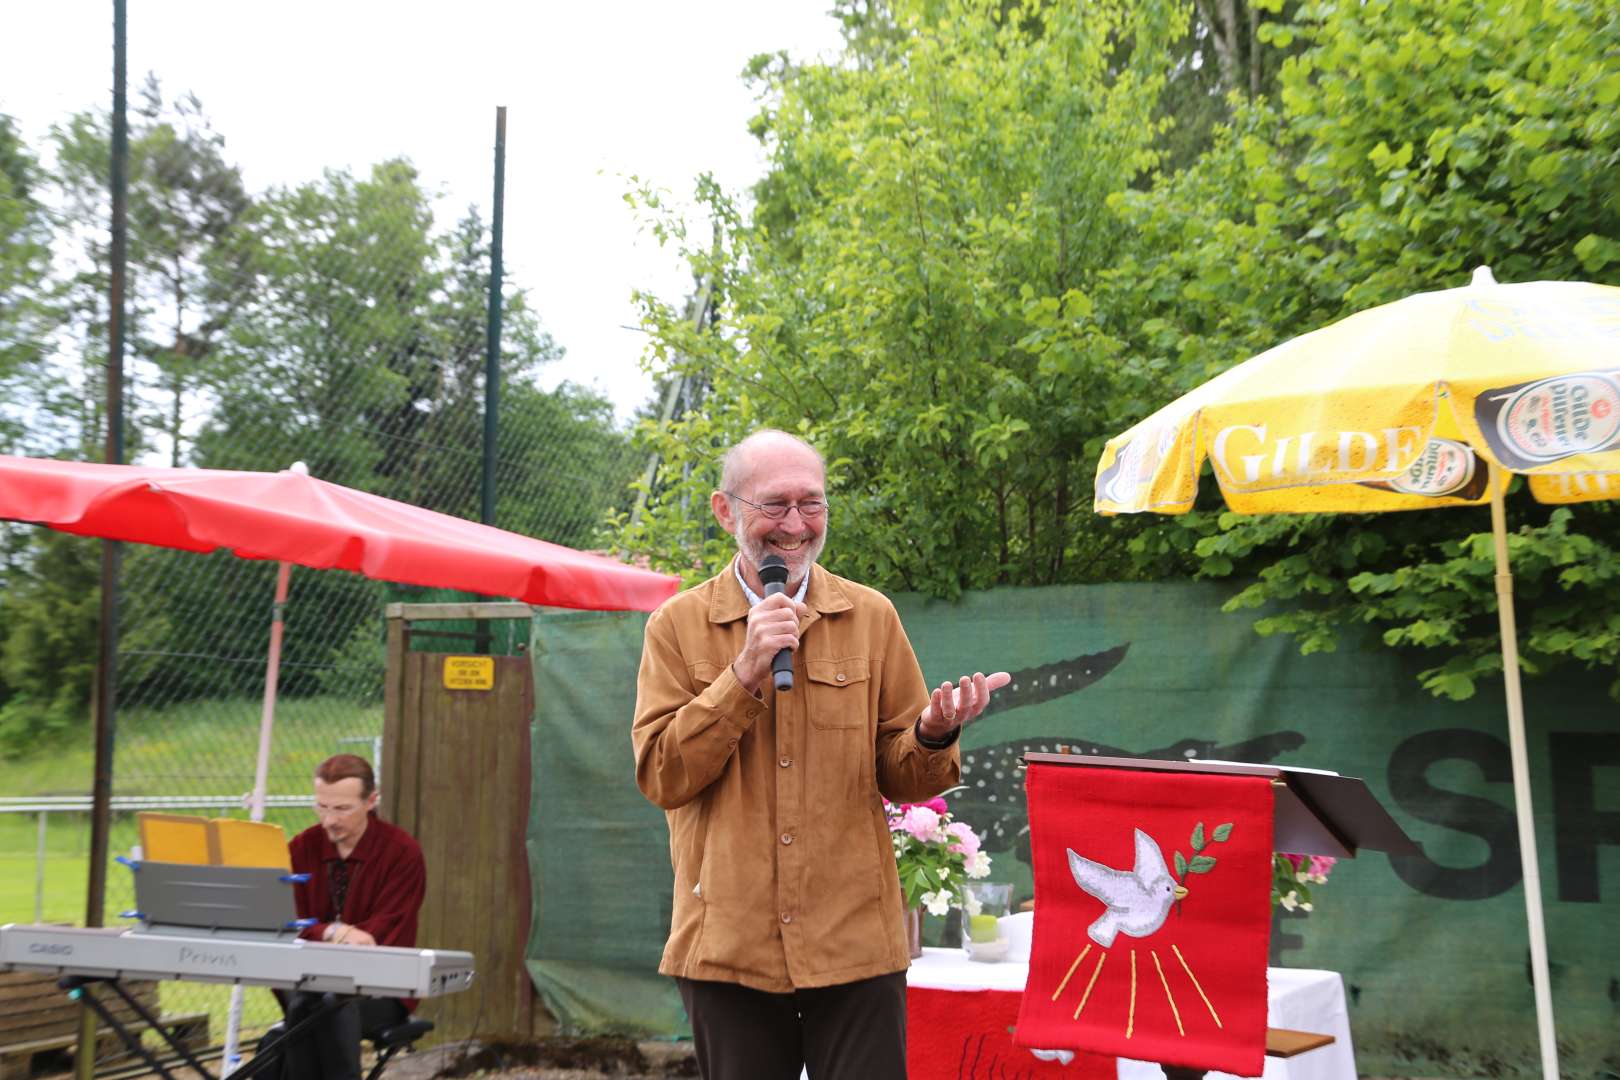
(46,805)
(29,804)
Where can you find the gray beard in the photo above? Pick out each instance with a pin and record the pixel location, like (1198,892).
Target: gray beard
(798,564)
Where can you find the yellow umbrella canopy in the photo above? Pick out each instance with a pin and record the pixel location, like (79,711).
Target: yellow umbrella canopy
(1393,409)
(1430,401)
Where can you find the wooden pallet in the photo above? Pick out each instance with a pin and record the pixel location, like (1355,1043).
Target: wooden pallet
(38,1021)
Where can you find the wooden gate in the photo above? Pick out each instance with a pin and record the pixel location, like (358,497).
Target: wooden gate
(455,775)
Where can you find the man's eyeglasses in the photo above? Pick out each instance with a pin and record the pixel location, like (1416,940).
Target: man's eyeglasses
(809,509)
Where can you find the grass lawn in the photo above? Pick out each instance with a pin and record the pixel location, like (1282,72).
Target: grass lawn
(197,748)
(205,747)
(66,878)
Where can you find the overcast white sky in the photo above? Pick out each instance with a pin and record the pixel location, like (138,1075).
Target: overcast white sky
(594,91)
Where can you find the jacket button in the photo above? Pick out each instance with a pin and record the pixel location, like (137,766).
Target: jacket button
(786,763)
(842,676)
(787,917)
(787,838)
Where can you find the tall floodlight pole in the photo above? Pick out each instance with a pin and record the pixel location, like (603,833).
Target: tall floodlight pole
(107,669)
(492,347)
(492,352)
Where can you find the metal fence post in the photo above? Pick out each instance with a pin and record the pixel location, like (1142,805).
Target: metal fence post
(39,872)
(106,671)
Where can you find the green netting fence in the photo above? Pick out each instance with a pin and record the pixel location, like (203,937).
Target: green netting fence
(1433,950)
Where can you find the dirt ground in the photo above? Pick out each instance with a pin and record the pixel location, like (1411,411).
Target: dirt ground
(556,1059)
(551,1059)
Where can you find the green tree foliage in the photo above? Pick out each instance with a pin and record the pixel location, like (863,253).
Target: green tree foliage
(360,351)
(913,291)
(336,342)
(335,322)
(48,616)
(185,206)
(1409,143)
(1230,53)
(27,316)
(979,251)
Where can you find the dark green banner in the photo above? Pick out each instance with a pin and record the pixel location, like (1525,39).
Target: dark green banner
(1433,950)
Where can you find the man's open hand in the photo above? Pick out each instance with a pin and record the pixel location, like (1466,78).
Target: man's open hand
(952,706)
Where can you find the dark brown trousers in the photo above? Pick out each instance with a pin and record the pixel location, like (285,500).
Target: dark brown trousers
(856,1031)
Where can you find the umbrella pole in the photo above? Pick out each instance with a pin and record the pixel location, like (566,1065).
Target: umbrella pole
(267,721)
(272,676)
(1545,1029)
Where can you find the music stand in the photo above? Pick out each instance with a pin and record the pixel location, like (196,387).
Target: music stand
(1317,813)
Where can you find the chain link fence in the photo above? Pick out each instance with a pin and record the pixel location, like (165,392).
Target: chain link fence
(341,322)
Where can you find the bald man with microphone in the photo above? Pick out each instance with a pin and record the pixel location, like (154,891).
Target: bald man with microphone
(776,707)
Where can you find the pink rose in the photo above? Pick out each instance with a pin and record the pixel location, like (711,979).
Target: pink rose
(967,841)
(1322,864)
(938,806)
(1298,861)
(920,822)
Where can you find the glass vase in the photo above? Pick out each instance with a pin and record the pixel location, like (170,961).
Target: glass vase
(912,918)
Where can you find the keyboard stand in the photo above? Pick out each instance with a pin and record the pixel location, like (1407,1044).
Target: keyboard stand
(77,986)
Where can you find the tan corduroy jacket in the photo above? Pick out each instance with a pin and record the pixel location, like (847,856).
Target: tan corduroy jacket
(784,872)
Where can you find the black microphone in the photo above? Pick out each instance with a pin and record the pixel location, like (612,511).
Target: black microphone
(773,572)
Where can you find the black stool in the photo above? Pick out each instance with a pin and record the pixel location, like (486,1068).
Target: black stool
(391,1040)
(386,1043)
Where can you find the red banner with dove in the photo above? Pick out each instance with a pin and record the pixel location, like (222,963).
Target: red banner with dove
(1152,915)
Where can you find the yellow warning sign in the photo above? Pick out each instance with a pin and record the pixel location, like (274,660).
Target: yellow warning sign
(469,673)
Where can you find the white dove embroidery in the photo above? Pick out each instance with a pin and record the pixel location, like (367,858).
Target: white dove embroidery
(1138,899)
(1062,1057)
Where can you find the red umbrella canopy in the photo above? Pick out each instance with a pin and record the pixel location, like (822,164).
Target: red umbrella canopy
(296,518)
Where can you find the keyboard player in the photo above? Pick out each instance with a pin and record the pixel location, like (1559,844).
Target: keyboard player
(365,887)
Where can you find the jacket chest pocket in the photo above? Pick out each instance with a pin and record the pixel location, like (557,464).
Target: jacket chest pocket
(839,691)
(702,673)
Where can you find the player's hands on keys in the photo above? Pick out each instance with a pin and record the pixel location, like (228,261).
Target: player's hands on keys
(344,934)
(773,625)
(949,707)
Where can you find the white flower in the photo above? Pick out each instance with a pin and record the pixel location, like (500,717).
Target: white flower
(971,905)
(1306,907)
(944,873)
(977,864)
(937,903)
(1291,901)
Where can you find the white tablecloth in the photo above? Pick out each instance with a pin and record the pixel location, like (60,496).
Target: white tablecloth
(1300,999)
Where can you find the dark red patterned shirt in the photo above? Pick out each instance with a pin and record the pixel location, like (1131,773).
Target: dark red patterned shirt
(386,882)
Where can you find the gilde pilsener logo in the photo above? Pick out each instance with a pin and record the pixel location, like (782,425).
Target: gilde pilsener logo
(1560,417)
(1445,466)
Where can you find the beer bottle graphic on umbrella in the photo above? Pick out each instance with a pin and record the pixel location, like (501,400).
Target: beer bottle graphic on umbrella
(1445,468)
(1536,422)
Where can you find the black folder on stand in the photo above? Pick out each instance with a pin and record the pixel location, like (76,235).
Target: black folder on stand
(1317,813)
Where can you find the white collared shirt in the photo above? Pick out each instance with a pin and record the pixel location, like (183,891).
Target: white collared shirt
(754,597)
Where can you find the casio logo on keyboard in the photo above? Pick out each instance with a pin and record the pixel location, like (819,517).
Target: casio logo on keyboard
(53,950)
(207,957)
